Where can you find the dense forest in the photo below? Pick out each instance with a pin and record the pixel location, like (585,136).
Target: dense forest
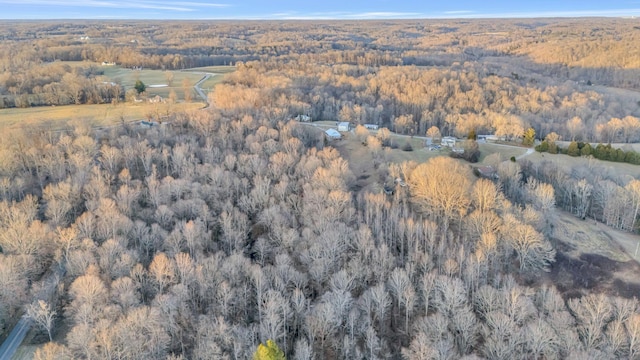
(227,227)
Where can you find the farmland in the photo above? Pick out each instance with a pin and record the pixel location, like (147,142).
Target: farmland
(178,81)
(58,117)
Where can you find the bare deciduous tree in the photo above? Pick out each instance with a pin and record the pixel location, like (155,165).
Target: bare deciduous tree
(43,315)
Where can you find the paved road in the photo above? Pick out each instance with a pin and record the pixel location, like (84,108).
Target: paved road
(48,288)
(196,86)
(14,339)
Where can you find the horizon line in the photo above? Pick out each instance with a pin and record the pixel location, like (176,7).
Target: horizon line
(320,18)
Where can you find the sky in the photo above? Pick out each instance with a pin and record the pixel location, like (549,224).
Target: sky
(306,9)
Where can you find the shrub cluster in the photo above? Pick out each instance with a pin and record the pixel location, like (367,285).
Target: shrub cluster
(600,152)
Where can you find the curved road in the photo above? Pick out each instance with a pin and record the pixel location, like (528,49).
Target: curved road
(201,93)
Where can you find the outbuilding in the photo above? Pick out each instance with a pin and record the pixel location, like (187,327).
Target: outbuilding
(333,134)
(448,141)
(344,126)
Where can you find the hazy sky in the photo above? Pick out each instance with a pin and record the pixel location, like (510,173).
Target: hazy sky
(306,9)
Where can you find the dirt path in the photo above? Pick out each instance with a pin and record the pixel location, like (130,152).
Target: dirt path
(529,152)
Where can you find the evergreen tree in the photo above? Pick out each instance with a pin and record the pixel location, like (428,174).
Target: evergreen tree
(270,351)
(586,150)
(573,149)
(543,147)
(472,135)
(599,152)
(529,137)
(140,87)
(631,157)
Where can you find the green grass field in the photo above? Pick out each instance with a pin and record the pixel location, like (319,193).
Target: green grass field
(58,117)
(127,78)
(214,69)
(211,83)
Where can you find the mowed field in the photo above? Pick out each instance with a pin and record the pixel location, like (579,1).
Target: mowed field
(59,117)
(208,85)
(214,69)
(127,78)
(607,167)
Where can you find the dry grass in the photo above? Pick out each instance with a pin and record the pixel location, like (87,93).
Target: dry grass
(420,153)
(58,117)
(593,258)
(591,237)
(505,151)
(25,352)
(128,77)
(214,69)
(606,167)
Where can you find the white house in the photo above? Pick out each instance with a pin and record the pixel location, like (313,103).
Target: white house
(333,134)
(448,141)
(371,126)
(343,126)
(303,118)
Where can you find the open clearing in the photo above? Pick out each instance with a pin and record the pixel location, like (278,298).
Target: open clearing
(420,153)
(593,257)
(606,167)
(368,171)
(505,151)
(214,69)
(57,117)
(152,78)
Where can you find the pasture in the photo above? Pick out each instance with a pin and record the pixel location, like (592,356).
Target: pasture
(173,79)
(605,167)
(58,117)
(214,69)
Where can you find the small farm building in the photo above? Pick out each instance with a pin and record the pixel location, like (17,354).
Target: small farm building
(448,141)
(343,126)
(333,134)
